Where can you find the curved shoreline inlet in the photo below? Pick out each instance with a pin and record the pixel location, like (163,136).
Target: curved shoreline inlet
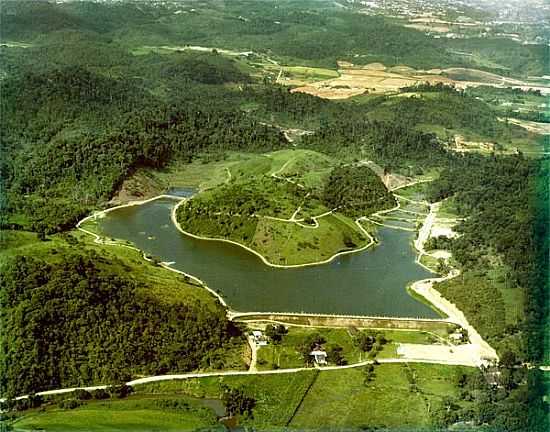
(372,282)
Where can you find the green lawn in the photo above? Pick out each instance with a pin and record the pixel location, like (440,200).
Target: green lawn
(289,243)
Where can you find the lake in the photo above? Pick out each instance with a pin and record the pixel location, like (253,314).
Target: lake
(371,282)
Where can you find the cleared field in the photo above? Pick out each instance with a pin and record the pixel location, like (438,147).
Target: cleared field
(306,167)
(373,78)
(132,414)
(298,75)
(398,396)
(277,396)
(376,78)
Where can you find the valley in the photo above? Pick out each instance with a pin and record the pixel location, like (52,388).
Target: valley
(287,215)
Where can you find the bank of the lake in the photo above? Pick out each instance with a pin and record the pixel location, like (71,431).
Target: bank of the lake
(370,243)
(367,283)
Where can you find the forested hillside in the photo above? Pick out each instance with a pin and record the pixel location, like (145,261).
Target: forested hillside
(503,252)
(316,32)
(453,111)
(72,145)
(390,143)
(356,191)
(506,200)
(79,322)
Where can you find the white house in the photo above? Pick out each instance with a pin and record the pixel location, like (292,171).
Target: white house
(259,338)
(319,356)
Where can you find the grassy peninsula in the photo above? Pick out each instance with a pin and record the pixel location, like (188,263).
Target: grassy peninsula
(289,215)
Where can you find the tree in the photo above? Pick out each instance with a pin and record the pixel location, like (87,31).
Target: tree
(237,402)
(335,355)
(508,359)
(276,332)
(368,374)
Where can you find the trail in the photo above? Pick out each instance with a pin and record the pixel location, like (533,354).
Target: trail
(254,353)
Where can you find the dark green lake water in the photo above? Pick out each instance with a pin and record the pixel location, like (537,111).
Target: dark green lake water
(367,283)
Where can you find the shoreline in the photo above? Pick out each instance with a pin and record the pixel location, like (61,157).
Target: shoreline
(422,288)
(231,313)
(264,259)
(425,289)
(99,240)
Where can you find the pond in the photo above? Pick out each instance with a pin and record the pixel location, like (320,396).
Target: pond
(372,282)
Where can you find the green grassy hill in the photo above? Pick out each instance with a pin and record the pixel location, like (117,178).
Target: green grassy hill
(265,206)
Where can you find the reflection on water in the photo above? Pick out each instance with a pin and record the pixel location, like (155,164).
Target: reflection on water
(367,283)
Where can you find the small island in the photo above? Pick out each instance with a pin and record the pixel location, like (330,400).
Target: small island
(300,209)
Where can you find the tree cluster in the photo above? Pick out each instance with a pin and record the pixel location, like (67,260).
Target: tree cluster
(356,191)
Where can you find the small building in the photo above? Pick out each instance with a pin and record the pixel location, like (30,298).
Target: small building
(259,338)
(457,337)
(319,357)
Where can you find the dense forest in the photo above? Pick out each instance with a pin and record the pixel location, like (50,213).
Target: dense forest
(58,172)
(506,200)
(356,191)
(77,322)
(318,33)
(391,144)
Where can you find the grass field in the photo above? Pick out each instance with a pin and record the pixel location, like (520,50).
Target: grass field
(399,396)
(277,396)
(132,414)
(289,243)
